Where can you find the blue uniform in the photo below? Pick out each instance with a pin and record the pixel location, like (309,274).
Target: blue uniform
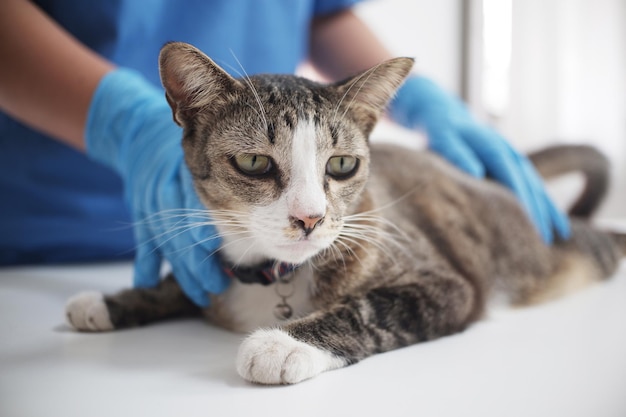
(56,205)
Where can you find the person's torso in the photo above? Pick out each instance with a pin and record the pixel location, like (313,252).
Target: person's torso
(57,204)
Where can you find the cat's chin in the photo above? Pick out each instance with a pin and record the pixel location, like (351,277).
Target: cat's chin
(297,252)
(294,252)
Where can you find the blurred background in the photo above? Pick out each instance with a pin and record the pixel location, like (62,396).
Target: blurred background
(539,71)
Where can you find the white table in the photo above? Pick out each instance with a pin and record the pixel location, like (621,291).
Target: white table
(566,358)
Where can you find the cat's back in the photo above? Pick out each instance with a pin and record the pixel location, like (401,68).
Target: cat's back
(397,171)
(423,186)
(444,211)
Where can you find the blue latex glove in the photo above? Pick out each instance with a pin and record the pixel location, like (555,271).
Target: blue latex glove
(475,148)
(130,129)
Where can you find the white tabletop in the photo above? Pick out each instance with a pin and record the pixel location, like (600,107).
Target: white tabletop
(565,358)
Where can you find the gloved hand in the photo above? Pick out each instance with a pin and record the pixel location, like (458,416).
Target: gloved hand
(457,136)
(130,129)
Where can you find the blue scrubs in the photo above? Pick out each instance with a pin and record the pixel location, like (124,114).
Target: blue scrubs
(56,205)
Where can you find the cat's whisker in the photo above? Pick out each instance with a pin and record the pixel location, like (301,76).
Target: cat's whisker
(213,217)
(356,240)
(226,245)
(180,226)
(161,243)
(394,237)
(395,231)
(323,254)
(213,237)
(369,216)
(161,217)
(387,205)
(349,250)
(209,238)
(375,236)
(248,81)
(334,250)
(389,239)
(361,220)
(178,229)
(344,238)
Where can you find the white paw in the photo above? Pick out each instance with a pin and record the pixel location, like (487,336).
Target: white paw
(87,311)
(274,357)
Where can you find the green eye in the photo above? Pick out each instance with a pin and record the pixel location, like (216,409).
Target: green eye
(342,166)
(251,164)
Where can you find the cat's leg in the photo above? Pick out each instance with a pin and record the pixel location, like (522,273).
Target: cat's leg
(383,319)
(95,312)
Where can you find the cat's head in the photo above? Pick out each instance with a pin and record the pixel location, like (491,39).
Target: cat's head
(278,160)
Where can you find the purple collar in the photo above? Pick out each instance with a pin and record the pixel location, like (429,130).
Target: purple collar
(266,273)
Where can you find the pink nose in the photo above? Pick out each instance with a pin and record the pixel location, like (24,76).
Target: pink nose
(308,223)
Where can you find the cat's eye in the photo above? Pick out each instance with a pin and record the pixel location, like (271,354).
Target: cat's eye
(341,167)
(251,164)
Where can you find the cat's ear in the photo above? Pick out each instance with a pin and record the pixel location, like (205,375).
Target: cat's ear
(366,95)
(192,81)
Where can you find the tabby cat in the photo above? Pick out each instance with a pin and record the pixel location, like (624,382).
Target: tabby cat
(338,248)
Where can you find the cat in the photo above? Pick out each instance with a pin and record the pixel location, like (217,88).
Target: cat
(338,248)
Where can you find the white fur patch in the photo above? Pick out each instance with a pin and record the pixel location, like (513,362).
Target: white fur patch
(305,195)
(274,357)
(87,311)
(252,306)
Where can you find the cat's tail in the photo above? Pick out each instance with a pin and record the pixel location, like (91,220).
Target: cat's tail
(562,159)
(620,239)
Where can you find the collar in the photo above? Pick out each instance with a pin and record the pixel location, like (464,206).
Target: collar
(266,273)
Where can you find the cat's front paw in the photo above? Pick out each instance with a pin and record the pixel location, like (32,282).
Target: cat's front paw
(87,311)
(274,357)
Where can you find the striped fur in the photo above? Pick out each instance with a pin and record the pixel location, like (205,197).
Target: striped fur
(418,247)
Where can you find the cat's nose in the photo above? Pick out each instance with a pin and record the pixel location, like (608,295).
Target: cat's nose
(308,223)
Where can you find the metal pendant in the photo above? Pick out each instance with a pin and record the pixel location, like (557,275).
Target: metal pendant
(283,311)
(284,289)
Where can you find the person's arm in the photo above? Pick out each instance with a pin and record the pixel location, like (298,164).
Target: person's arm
(47,78)
(54,84)
(342,44)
